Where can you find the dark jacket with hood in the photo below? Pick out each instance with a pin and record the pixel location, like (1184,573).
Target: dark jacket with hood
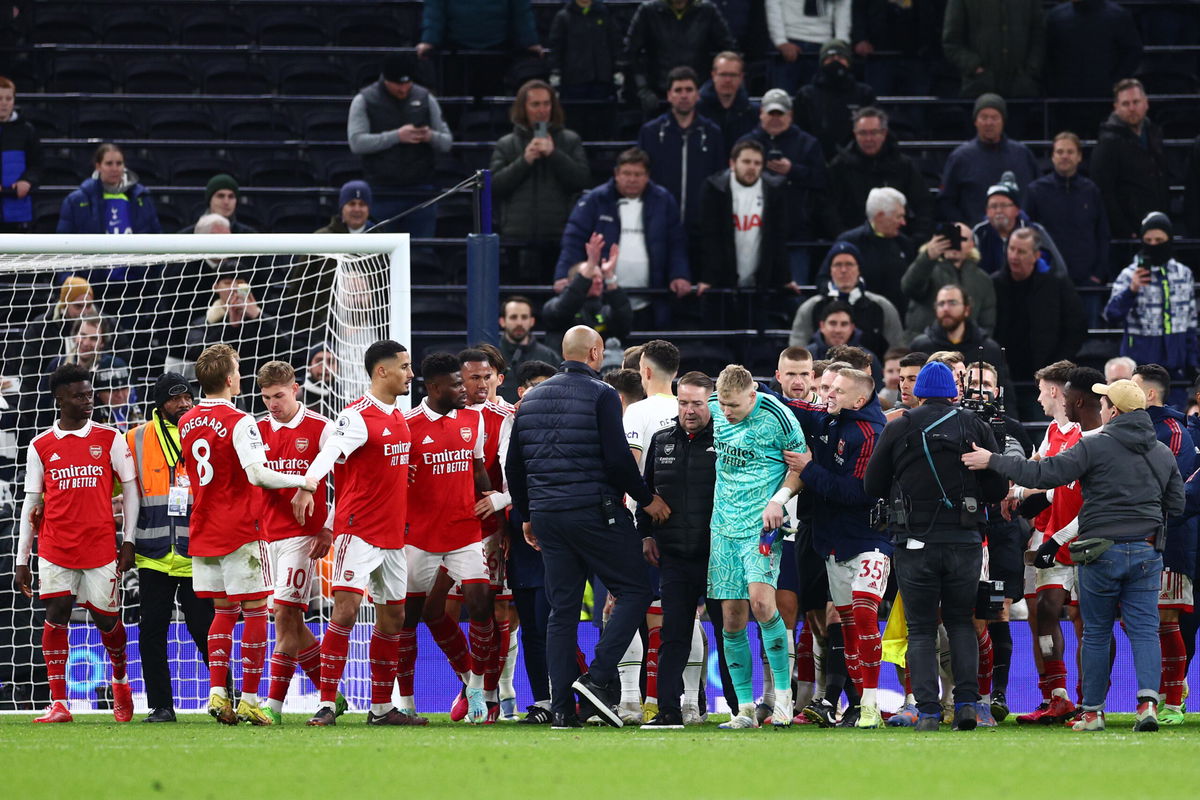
(736,121)
(83,209)
(533,200)
(718,264)
(934,339)
(853,174)
(681,160)
(1006,37)
(660,40)
(1128,477)
(1170,428)
(1132,174)
(20,160)
(807,180)
(824,106)
(584,44)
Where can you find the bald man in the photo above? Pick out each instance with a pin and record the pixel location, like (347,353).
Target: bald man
(569,468)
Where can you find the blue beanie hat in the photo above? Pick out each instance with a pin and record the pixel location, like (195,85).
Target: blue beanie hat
(354,190)
(935,380)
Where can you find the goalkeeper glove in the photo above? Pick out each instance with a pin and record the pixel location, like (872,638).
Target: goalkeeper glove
(1045,554)
(767,539)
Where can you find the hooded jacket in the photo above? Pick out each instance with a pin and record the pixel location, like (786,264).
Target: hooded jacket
(1159,320)
(83,209)
(807,180)
(853,174)
(934,339)
(874,316)
(533,200)
(1072,211)
(925,276)
(1131,172)
(1170,427)
(584,44)
(718,256)
(1129,478)
(736,121)
(681,160)
(824,106)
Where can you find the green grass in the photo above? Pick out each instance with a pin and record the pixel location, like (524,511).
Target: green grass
(196,758)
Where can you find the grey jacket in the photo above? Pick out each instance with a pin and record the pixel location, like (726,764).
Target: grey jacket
(1121,472)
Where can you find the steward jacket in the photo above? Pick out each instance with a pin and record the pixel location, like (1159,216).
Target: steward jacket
(900,471)
(20,160)
(1129,478)
(682,470)
(535,199)
(83,209)
(853,174)
(1170,428)
(681,159)
(1132,174)
(158,533)
(585,43)
(718,256)
(841,446)
(567,448)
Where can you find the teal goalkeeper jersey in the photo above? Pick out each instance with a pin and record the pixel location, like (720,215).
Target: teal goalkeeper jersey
(750,466)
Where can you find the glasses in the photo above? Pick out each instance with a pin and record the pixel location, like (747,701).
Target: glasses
(948,303)
(1000,206)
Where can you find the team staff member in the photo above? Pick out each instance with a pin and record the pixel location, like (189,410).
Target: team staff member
(936,510)
(1130,484)
(568,468)
(160,546)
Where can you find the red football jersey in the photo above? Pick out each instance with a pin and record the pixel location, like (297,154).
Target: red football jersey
(1056,441)
(219,442)
(444,449)
(291,448)
(1067,502)
(497,422)
(371,479)
(74,471)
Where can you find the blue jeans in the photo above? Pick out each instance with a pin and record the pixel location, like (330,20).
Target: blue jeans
(790,76)
(1127,573)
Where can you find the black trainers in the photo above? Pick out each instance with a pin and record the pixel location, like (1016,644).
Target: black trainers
(324,718)
(928,723)
(822,712)
(395,716)
(849,717)
(602,699)
(536,715)
(964,717)
(160,715)
(565,722)
(665,720)
(999,706)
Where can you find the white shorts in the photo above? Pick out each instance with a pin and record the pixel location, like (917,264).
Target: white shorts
(1030,581)
(1059,576)
(464,565)
(363,568)
(244,574)
(292,571)
(864,574)
(985,571)
(96,589)
(1176,591)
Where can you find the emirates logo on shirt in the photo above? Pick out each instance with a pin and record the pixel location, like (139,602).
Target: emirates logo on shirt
(96,451)
(465,433)
(301,444)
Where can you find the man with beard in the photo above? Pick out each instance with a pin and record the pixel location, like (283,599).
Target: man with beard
(953,329)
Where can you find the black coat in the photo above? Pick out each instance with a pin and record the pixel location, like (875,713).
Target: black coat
(915,31)
(974,345)
(718,265)
(658,41)
(1039,323)
(1133,178)
(610,314)
(1090,45)
(584,48)
(853,174)
(682,470)
(883,264)
(736,121)
(824,106)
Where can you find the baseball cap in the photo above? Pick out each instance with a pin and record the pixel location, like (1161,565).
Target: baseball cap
(776,100)
(1125,395)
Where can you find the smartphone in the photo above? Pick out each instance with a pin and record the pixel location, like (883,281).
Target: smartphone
(541,130)
(774,155)
(953,233)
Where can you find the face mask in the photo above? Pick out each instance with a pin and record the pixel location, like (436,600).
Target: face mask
(834,69)
(1157,255)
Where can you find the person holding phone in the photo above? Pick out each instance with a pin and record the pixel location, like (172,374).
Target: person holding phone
(949,257)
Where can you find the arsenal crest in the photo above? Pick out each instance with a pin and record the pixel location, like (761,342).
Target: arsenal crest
(465,433)
(841,448)
(348,575)
(96,451)
(301,444)
(669,448)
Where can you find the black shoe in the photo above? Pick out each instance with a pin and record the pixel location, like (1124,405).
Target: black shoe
(536,715)
(602,699)
(999,706)
(565,722)
(394,716)
(160,715)
(964,717)
(849,717)
(928,723)
(665,720)
(324,718)
(822,712)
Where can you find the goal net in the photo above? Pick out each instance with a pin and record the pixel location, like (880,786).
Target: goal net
(129,308)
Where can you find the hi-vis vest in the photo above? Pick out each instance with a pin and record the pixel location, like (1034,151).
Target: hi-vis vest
(157,532)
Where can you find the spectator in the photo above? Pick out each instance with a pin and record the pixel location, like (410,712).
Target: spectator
(665,34)
(477,25)
(953,329)
(979,163)
(1090,45)
(88,343)
(396,126)
(1071,209)
(354,216)
(538,171)
(874,316)
(944,261)
(752,251)
(825,105)
(886,252)
(796,156)
(111,201)
(873,159)
(912,31)
(1129,164)
(1154,299)
(235,318)
(835,326)
(724,100)
(640,215)
(319,376)
(1119,368)
(1039,319)
(517,344)
(798,29)
(1191,191)
(1004,215)
(45,335)
(593,297)
(221,196)
(585,43)
(684,147)
(20,165)
(996,45)
(116,401)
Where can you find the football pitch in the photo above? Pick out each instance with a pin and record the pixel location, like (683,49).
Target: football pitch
(196,758)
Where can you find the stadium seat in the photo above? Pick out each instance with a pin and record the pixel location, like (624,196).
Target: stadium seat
(235,76)
(45,215)
(137,26)
(365,29)
(249,213)
(296,28)
(107,122)
(312,76)
(197,170)
(150,171)
(169,216)
(158,76)
(72,73)
(297,217)
(438,313)
(281,172)
(173,121)
(320,125)
(214,28)
(59,171)
(340,168)
(62,26)
(257,122)
(49,123)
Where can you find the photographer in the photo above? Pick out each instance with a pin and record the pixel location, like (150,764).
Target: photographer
(1154,298)
(1130,485)
(936,509)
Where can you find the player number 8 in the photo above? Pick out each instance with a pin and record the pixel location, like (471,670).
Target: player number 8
(201,452)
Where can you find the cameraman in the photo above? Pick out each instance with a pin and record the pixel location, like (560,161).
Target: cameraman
(1130,485)
(936,511)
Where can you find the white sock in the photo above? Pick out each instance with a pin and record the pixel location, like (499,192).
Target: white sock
(792,654)
(219,691)
(475,681)
(507,689)
(695,667)
(408,704)
(630,670)
(250,698)
(768,697)
(986,698)
(275,705)
(121,680)
(910,699)
(805,692)
(379,709)
(869,697)
(543,704)
(818,661)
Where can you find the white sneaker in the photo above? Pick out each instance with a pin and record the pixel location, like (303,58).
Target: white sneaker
(781,715)
(630,713)
(744,719)
(693,716)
